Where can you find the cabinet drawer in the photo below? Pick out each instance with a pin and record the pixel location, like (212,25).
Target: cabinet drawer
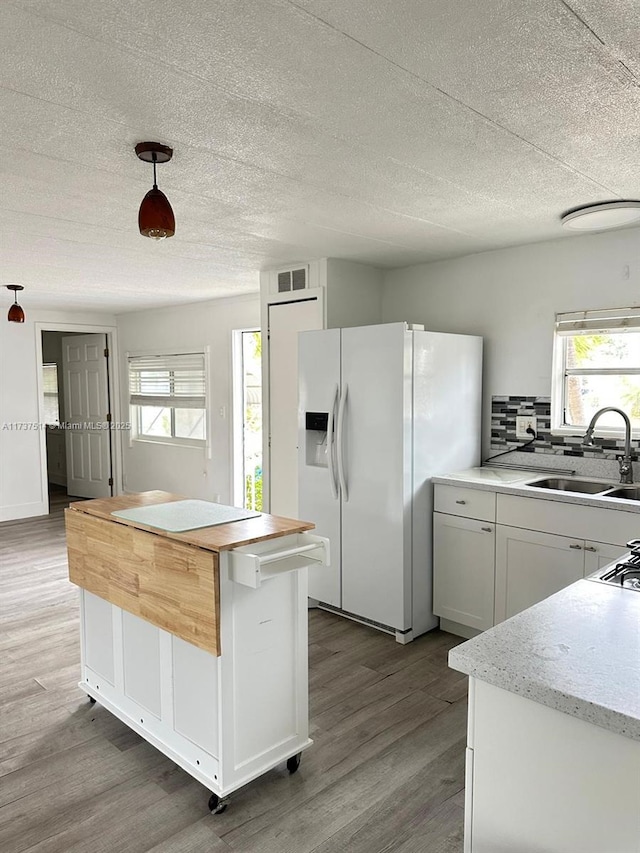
(598,524)
(470,503)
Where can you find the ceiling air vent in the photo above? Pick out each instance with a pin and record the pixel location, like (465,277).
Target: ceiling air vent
(292,280)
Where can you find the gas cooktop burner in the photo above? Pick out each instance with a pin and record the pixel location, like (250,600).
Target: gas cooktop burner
(625,573)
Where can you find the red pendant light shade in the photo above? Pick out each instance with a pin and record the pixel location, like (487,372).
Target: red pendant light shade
(16,314)
(155,217)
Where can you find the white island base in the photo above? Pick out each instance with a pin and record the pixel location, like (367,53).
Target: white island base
(542,781)
(224,719)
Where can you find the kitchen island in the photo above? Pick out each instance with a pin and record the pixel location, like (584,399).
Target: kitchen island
(197,638)
(553,750)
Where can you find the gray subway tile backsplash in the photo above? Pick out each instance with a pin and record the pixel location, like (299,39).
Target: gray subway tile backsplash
(503,431)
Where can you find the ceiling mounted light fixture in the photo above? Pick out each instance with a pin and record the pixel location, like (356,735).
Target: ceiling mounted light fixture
(16,314)
(155,217)
(597,217)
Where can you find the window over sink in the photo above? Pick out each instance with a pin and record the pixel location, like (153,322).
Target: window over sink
(596,363)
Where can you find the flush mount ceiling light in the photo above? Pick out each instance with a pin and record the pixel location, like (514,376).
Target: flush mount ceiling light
(155,217)
(16,314)
(597,217)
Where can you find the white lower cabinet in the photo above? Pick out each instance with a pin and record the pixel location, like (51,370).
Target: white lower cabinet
(597,555)
(464,590)
(541,780)
(494,558)
(531,566)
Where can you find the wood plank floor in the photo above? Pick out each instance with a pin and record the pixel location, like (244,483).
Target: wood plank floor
(385,774)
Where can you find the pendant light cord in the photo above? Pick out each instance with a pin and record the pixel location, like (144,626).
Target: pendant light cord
(155,182)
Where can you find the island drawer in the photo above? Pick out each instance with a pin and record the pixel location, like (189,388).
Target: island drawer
(469,503)
(250,565)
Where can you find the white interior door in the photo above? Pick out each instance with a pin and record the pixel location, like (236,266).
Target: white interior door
(286,319)
(86,393)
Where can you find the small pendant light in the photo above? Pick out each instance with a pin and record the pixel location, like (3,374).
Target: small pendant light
(16,314)
(155,217)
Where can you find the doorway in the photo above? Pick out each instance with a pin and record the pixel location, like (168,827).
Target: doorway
(248,419)
(76,414)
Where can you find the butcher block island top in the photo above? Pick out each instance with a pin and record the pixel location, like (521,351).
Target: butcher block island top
(169,579)
(221,537)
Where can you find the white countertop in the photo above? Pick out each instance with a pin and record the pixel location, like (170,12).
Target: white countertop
(577,651)
(513,482)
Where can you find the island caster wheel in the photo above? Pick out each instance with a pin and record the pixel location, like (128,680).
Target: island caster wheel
(217,805)
(92,701)
(293,763)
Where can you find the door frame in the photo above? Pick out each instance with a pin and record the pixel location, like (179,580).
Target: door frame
(275,299)
(114,394)
(237,413)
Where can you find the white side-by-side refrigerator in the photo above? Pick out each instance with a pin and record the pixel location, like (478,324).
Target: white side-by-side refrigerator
(382,409)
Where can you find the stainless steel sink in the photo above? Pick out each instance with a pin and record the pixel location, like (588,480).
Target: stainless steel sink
(563,484)
(627,493)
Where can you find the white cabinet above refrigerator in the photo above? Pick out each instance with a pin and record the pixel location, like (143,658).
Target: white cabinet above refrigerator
(381,410)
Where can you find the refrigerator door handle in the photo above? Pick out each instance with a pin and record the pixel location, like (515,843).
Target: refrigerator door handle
(331,452)
(340,445)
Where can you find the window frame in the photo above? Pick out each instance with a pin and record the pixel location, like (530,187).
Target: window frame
(592,322)
(136,436)
(55,394)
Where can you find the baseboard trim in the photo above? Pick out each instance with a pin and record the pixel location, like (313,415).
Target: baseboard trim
(458,629)
(18,511)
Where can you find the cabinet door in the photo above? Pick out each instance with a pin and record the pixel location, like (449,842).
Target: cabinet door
(97,626)
(531,566)
(597,555)
(463,570)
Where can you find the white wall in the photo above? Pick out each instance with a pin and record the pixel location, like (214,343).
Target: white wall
(22,450)
(354,294)
(511,296)
(187,470)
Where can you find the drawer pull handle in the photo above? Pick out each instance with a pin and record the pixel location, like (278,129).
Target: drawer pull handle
(576,547)
(486,529)
(461,502)
(590,548)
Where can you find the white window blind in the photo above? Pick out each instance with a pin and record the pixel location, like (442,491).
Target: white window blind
(589,322)
(168,380)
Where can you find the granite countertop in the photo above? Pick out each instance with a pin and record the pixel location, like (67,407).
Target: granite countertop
(577,651)
(513,482)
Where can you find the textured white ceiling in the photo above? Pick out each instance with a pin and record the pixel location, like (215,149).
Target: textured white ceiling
(390,133)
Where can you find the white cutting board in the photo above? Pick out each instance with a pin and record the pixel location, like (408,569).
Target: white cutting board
(178,516)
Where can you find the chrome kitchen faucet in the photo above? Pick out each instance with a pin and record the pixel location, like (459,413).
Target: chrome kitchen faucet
(626,466)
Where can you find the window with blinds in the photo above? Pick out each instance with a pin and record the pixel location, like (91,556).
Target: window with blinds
(50,391)
(596,364)
(167,395)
